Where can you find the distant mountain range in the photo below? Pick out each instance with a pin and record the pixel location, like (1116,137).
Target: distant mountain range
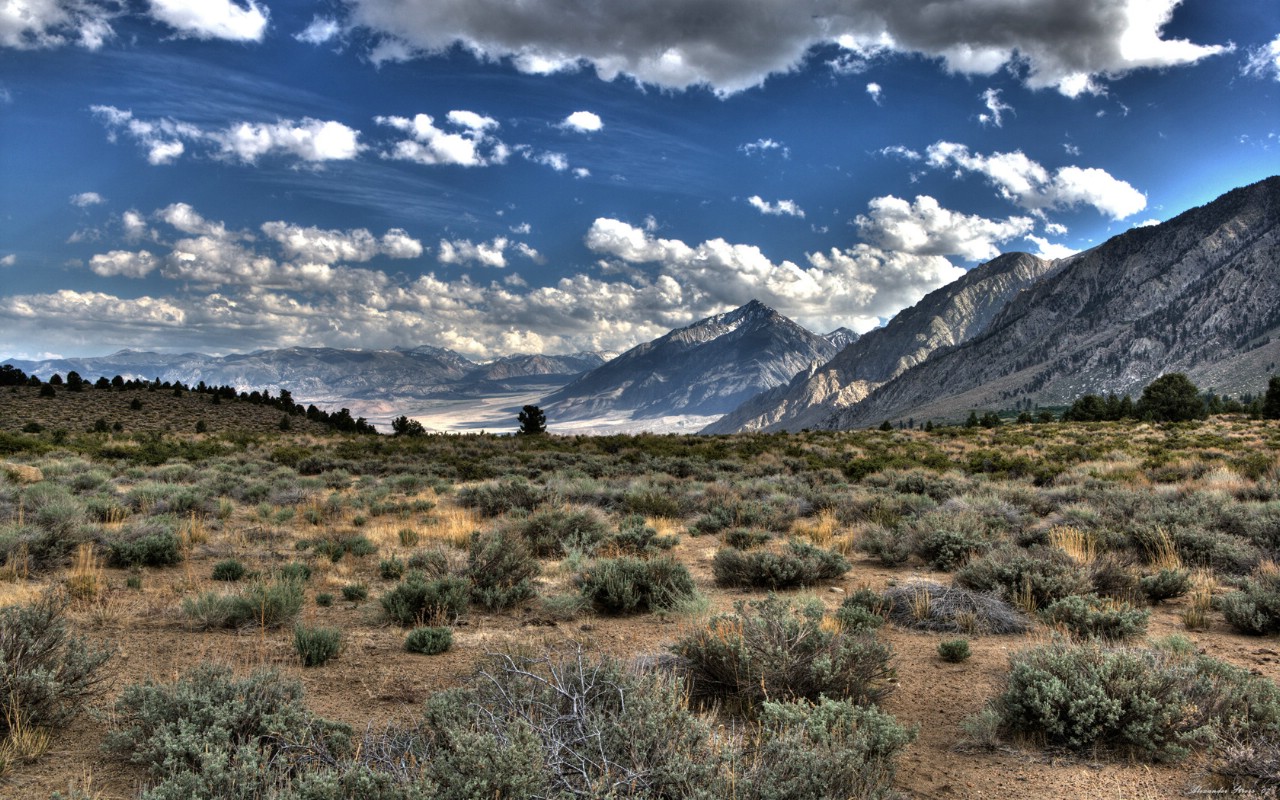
(705,369)
(1198,294)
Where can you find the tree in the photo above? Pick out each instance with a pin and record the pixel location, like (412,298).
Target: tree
(403,426)
(75,383)
(1171,398)
(11,375)
(1271,403)
(886,425)
(533,421)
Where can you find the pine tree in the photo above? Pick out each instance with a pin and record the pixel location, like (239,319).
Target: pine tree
(1271,403)
(533,422)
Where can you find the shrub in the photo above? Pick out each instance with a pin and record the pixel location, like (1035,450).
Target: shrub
(336,547)
(391,569)
(416,600)
(267,604)
(429,641)
(1153,704)
(947,549)
(324,599)
(815,751)
(954,650)
(801,564)
(500,497)
(862,611)
(228,570)
(145,545)
(891,546)
(355,592)
(501,570)
(768,650)
(45,673)
(295,571)
(1043,574)
(1165,584)
(435,563)
(1095,617)
(627,585)
(636,536)
(316,646)
(552,532)
(745,538)
(929,606)
(1256,608)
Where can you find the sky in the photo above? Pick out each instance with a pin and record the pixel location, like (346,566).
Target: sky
(559,176)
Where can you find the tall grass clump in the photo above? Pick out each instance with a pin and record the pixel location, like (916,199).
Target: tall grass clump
(267,604)
(316,646)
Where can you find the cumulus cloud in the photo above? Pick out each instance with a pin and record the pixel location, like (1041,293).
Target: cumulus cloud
(485,254)
(213,19)
(1028,184)
(9,260)
(320,31)
(995,108)
(762,146)
(876,91)
(319,246)
(1073,45)
(1050,250)
(468,145)
(37,24)
(86,199)
(123,262)
(165,140)
(135,226)
(557,161)
(1264,61)
(923,227)
(787,208)
(901,151)
(583,121)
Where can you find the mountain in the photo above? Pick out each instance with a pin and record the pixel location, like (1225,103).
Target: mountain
(1198,294)
(841,338)
(943,318)
(514,368)
(706,368)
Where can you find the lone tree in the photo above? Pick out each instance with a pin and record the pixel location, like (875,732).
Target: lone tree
(1171,398)
(403,426)
(532,421)
(1271,403)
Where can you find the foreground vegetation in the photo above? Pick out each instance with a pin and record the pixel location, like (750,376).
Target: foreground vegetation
(769,686)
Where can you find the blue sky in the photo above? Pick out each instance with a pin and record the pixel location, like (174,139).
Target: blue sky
(566,175)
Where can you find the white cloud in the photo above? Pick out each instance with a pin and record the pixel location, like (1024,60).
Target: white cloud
(523,229)
(86,199)
(9,260)
(995,108)
(900,151)
(213,19)
(925,228)
(310,140)
(557,161)
(123,262)
(875,90)
(318,246)
(581,172)
(186,219)
(36,24)
(1264,61)
(486,254)
(787,208)
(584,121)
(1031,186)
(1048,249)
(471,146)
(1055,229)
(762,146)
(320,31)
(135,226)
(1073,45)
(1146,223)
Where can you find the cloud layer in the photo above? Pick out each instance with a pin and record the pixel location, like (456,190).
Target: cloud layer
(1072,45)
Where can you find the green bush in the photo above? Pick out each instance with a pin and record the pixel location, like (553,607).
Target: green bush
(1152,704)
(1095,617)
(949,548)
(1165,584)
(552,532)
(324,599)
(636,536)
(1255,609)
(501,569)
(429,641)
(391,569)
(355,592)
(45,673)
(769,651)
(316,646)
(890,546)
(295,571)
(627,585)
(416,600)
(435,563)
(822,750)
(954,650)
(745,538)
(862,611)
(269,604)
(228,570)
(1046,573)
(500,497)
(145,544)
(801,564)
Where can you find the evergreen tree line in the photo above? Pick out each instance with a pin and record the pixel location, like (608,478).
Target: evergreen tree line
(337,420)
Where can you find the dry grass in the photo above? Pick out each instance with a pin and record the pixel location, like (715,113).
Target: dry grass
(1162,554)
(451,525)
(1199,600)
(84,581)
(17,564)
(25,743)
(1079,546)
(821,530)
(22,473)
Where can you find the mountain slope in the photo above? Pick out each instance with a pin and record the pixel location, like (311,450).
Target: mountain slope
(1198,294)
(943,318)
(706,368)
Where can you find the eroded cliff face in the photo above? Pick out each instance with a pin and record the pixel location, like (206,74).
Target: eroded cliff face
(1198,294)
(944,318)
